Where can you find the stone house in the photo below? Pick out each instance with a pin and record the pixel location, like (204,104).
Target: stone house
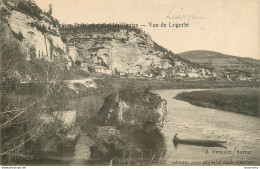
(102,69)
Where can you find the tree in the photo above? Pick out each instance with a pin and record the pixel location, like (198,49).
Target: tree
(50,9)
(20,36)
(32,53)
(78,63)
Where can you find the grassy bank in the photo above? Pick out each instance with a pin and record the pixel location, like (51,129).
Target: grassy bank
(173,84)
(243,100)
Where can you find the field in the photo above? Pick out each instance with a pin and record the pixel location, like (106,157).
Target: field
(244,100)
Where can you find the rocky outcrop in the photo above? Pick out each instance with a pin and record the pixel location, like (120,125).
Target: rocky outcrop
(60,127)
(126,51)
(133,107)
(38,36)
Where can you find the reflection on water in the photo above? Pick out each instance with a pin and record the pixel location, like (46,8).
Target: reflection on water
(152,144)
(141,148)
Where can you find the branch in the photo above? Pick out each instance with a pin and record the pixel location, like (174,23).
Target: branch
(161,155)
(24,141)
(9,111)
(10,120)
(9,141)
(152,159)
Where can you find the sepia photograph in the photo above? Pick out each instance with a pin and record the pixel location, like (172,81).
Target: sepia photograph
(129,83)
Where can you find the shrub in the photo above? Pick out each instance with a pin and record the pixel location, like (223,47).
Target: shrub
(42,28)
(122,40)
(10,83)
(32,53)
(20,35)
(78,63)
(39,27)
(30,9)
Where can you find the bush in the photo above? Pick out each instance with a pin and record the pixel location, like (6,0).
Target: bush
(32,53)
(20,36)
(39,27)
(10,84)
(30,9)
(78,63)
(122,40)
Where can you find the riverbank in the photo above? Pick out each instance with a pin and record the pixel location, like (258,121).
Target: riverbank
(244,100)
(86,102)
(156,84)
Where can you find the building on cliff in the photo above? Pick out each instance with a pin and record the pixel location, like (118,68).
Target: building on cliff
(102,69)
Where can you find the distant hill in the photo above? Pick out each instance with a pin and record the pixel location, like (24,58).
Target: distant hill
(222,62)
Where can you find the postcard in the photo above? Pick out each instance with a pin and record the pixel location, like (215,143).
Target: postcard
(129,83)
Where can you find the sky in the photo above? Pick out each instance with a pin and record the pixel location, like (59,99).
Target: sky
(225,26)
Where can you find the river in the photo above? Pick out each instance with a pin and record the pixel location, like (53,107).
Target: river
(191,122)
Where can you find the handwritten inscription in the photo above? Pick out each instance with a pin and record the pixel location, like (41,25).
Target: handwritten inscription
(187,17)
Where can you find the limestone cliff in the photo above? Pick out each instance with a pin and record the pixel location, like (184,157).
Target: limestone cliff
(35,31)
(126,51)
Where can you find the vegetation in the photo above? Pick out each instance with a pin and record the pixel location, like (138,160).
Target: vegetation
(26,107)
(19,36)
(39,27)
(25,127)
(55,22)
(27,8)
(238,100)
(143,105)
(175,84)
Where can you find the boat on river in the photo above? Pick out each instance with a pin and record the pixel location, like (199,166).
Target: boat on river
(205,143)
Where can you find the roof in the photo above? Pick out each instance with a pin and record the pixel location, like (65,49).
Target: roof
(100,67)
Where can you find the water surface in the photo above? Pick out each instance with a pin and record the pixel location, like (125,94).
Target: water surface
(191,122)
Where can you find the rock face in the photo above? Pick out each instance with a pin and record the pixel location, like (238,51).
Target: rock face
(37,34)
(126,51)
(140,108)
(129,125)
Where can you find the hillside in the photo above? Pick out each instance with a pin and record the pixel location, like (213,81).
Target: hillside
(33,39)
(224,63)
(124,51)
(127,51)
(31,43)
(35,29)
